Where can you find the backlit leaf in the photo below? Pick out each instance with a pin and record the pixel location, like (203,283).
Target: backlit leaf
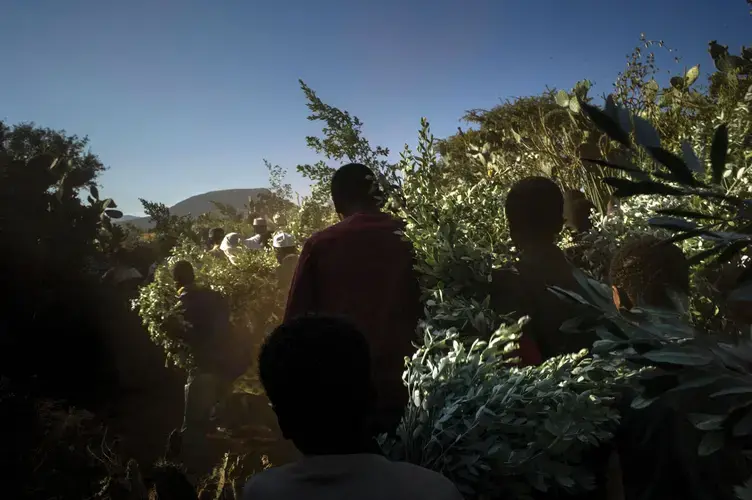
(718,152)
(678,356)
(674,164)
(690,158)
(711,442)
(606,124)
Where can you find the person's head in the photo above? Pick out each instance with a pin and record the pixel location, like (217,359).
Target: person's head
(284,245)
(614,206)
(316,372)
(260,226)
(182,273)
(577,214)
(355,189)
(648,272)
(535,212)
(216,236)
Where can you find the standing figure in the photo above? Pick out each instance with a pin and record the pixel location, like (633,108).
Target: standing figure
(287,256)
(535,213)
(207,327)
(262,237)
(216,236)
(362,269)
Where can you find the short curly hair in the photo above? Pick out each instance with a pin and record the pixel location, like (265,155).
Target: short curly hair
(316,371)
(646,268)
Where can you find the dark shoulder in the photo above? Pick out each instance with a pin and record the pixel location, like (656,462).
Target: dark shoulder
(424,482)
(266,484)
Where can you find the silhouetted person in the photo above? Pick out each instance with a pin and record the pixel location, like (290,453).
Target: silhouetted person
(287,256)
(207,317)
(216,236)
(361,269)
(535,213)
(577,212)
(648,272)
(658,445)
(317,374)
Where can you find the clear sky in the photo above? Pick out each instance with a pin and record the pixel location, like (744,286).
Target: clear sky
(183,97)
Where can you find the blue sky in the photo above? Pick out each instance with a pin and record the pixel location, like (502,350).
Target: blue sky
(183,97)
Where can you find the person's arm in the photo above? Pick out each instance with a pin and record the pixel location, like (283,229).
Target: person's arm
(301,298)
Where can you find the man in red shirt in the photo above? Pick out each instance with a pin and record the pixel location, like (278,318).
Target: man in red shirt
(361,269)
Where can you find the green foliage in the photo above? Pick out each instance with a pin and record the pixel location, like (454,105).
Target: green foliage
(250,285)
(492,427)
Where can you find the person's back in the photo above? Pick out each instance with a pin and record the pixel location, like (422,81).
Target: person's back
(362,269)
(363,476)
(341,460)
(365,273)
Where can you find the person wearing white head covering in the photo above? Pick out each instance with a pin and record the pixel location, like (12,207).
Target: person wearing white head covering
(230,246)
(287,256)
(262,236)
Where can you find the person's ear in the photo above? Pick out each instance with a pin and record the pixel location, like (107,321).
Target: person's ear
(616,296)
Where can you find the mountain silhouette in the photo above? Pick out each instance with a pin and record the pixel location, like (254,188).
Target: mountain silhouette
(201,204)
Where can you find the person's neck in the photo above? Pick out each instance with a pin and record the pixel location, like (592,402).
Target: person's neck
(353,446)
(362,210)
(539,249)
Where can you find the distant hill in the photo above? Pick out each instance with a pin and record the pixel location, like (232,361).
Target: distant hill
(201,204)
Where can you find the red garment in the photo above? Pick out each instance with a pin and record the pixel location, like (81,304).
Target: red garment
(360,269)
(528,351)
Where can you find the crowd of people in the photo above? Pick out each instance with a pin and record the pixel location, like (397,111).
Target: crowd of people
(333,370)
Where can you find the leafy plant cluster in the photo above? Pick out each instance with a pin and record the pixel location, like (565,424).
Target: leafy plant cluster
(501,431)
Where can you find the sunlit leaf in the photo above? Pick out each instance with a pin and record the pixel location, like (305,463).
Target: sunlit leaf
(692,75)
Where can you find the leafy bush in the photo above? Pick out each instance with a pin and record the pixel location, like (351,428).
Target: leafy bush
(499,431)
(250,285)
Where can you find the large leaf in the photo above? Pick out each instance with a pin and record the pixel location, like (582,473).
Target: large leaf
(692,75)
(743,426)
(674,164)
(672,223)
(710,443)
(718,152)
(690,158)
(699,257)
(678,356)
(94,191)
(562,98)
(732,391)
(624,168)
(705,422)
(688,214)
(605,123)
(645,134)
(625,188)
(113,214)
